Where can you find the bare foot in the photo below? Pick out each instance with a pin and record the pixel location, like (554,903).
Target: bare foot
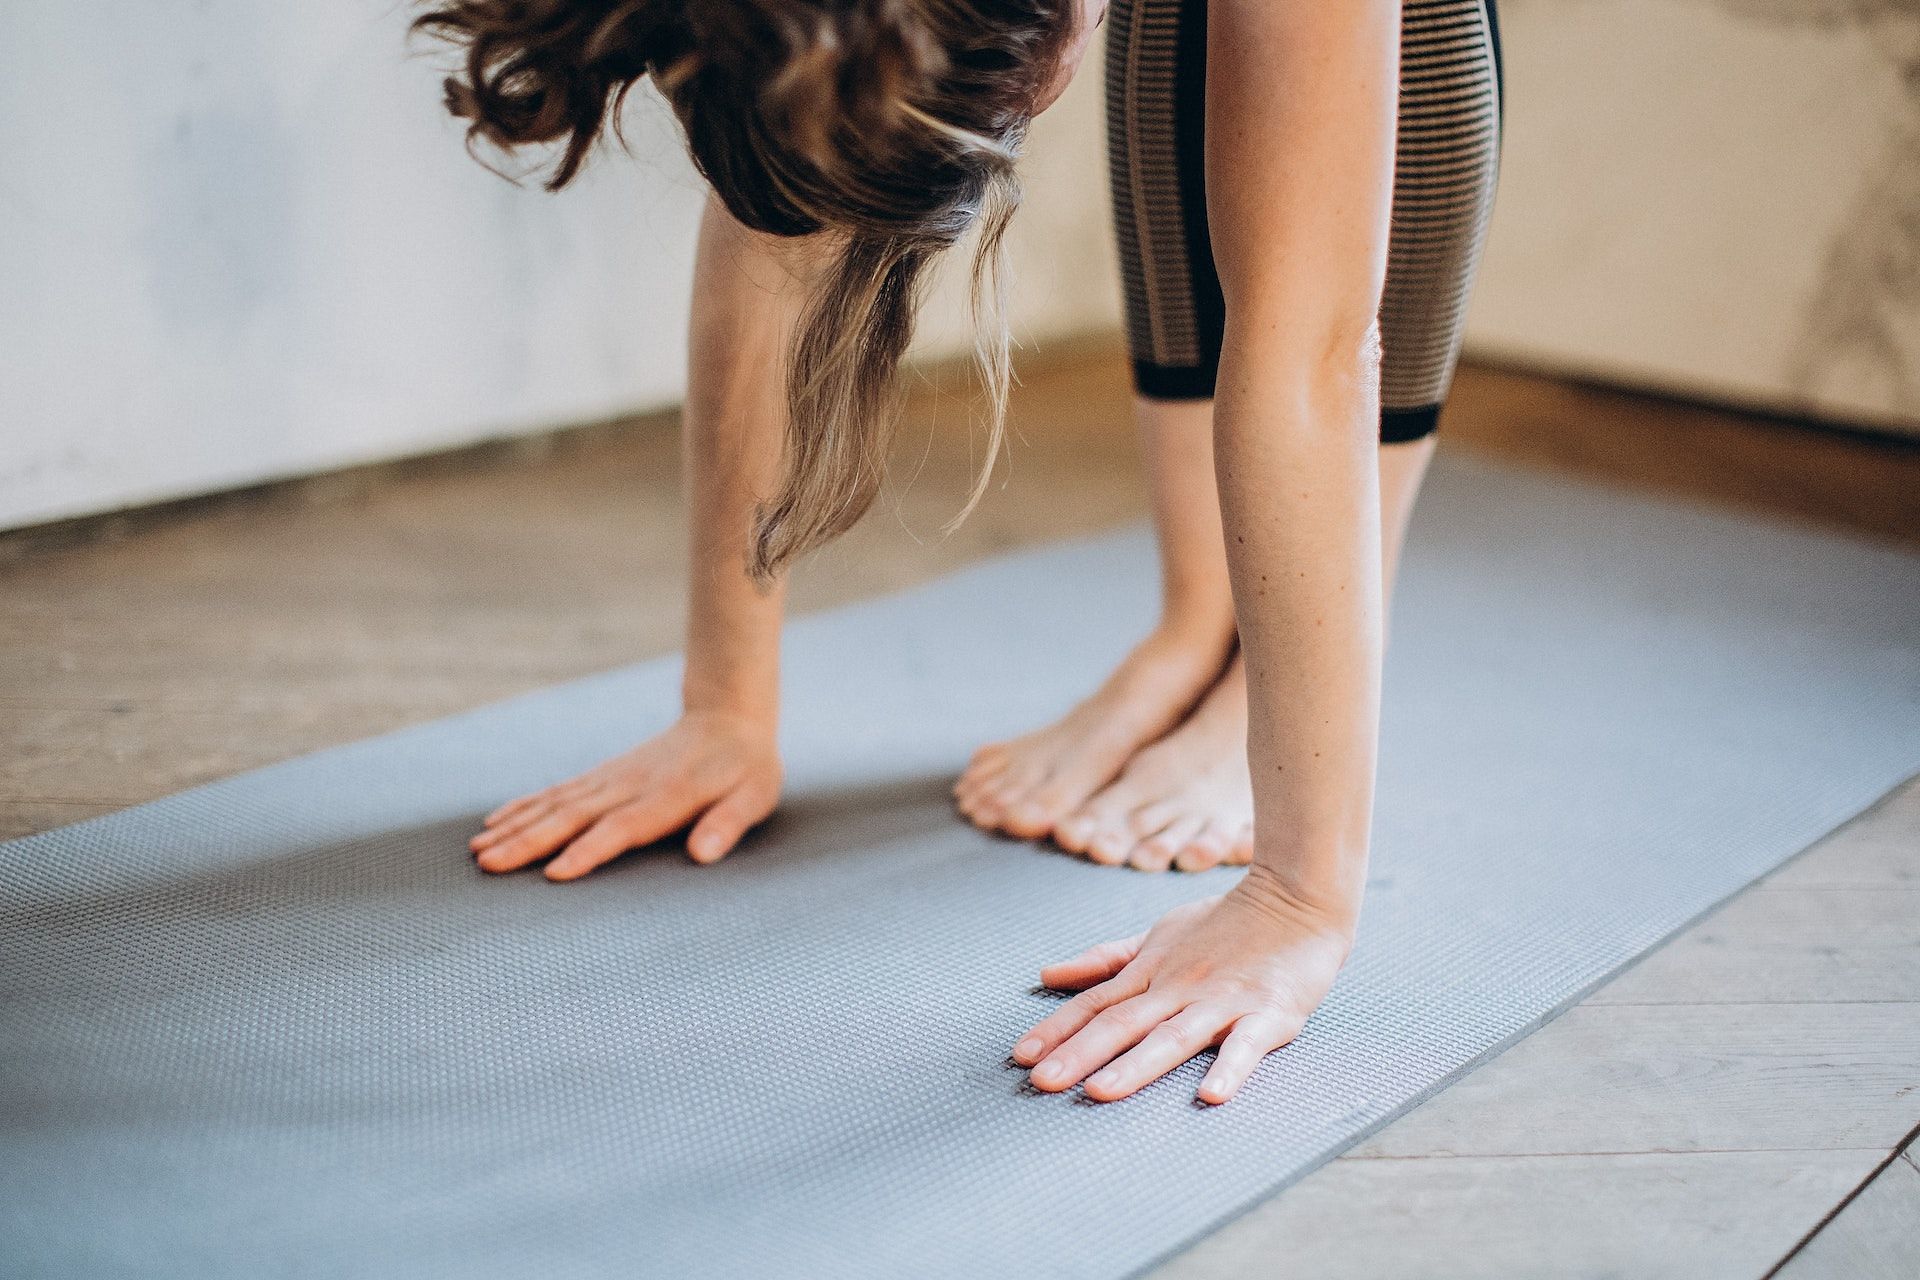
(1185,802)
(1027,785)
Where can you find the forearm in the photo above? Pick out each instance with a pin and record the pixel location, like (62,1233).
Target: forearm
(1298,476)
(745,302)
(1299,192)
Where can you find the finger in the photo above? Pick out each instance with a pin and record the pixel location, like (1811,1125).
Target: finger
(1252,1038)
(720,828)
(512,825)
(545,798)
(512,807)
(1167,1046)
(568,795)
(1102,1040)
(540,839)
(627,827)
(1095,964)
(1073,1015)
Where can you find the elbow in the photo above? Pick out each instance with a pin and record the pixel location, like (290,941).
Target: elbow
(1328,364)
(1354,352)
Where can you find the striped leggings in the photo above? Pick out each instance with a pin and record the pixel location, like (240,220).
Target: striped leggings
(1444,170)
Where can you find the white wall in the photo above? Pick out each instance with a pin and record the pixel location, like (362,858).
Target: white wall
(239,240)
(1720,197)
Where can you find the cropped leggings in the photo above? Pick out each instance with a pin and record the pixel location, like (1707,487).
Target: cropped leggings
(1445,164)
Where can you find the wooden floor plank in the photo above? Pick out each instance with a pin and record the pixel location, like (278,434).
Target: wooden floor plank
(1721,1077)
(1685,1216)
(1875,1237)
(1881,849)
(1789,944)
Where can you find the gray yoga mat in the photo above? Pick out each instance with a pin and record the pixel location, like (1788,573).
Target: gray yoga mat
(280,1026)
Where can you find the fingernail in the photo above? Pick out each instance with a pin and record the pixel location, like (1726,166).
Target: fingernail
(1048,1072)
(1027,1048)
(1105,1079)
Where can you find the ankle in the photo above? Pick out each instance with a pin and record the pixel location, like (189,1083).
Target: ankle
(1190,634)
(1186,655)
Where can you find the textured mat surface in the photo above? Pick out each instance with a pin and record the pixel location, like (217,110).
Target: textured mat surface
(280,1025)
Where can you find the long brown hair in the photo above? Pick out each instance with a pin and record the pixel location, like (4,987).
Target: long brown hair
(889,125)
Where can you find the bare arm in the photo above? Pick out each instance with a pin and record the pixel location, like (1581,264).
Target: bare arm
(1300,192)
(1301,101)
(717,770)
(745,303)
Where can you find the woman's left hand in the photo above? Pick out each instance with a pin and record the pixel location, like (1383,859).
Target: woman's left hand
(1242,971)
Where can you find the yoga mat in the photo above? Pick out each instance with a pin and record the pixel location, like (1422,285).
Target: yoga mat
(281,1026)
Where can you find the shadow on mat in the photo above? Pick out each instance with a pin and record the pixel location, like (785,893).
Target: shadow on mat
(111,888)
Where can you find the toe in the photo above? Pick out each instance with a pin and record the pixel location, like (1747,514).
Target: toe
(1167,844)
(1075,831)
(969,792)
(980,808)
(1046,807)
(1150,854)
(1109,846)
(1202,853)
(992,756)
(1029,816)
(1154,850)
(1004,803)
(1240,852)
(1151,819)
(979,774)
(1206,848)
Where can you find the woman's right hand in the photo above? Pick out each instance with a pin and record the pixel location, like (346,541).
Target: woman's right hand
(718,773)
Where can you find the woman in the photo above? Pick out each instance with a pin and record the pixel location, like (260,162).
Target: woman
(1271,256)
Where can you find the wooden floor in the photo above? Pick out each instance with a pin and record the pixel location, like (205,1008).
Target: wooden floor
(1733,1104)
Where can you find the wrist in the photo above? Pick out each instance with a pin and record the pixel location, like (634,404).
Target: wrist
(1326,901)
(750,702)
